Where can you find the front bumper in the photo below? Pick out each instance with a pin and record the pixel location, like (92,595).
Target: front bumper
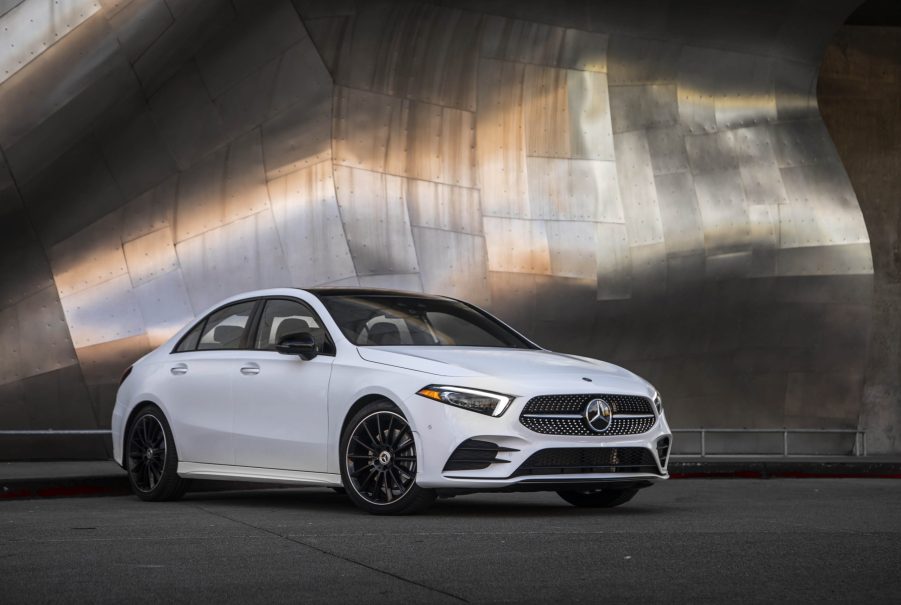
(441,428)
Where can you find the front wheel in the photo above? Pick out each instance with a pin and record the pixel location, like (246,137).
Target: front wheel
(598,498)
(378,462)
(151,458)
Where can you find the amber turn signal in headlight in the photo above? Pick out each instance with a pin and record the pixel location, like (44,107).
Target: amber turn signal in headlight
(483,402)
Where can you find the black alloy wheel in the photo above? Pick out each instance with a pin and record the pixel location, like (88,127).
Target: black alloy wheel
(147,453)
(379,463)
(151,459)
(599,498)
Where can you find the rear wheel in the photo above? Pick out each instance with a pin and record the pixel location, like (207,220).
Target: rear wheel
(599,498)
(378,462)
(151,458)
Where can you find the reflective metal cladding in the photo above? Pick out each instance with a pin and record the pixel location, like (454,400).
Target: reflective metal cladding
(649,183)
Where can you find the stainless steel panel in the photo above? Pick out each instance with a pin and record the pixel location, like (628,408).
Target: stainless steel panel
(637,189)
(151,211)
(584,190)
(196,22)
(442,206)
(138,24)
(23,262)
(712,152)
(261,32)
(401,48)
(567,114)
(643,106)
(825,260)
(397,281)
(361,128)
(186,118)
(667,149)
(764,238)
(56,76)
(540,44)
(305,209)
(295,78)
(680,218)
(134,153)
(696,83)
(90,257)
(35,25)
(44,341)
(150,256)
(104,312)
(10,361)
(724,211)
(453,264)
(226,185)
(571,245)
(501,140)
(648,270)
(614,262)
(516,245)
(164,305)
(314,9)
(432,143)
(376,222)
(243,255)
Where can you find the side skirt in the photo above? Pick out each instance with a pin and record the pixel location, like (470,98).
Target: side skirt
(199,470)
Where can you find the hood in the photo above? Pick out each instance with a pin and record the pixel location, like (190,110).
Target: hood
(500,363)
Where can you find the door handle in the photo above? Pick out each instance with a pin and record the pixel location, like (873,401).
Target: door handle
(179,369)
(250,369)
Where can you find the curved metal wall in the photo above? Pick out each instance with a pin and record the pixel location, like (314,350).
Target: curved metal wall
(646,182)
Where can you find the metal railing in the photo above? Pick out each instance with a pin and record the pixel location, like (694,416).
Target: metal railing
(858,449)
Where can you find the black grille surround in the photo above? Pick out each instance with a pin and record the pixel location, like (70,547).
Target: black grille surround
(588,460)
(565,414)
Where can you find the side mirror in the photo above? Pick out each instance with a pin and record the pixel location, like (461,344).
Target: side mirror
(299,343)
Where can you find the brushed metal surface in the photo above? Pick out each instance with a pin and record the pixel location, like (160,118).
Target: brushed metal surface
(649,182)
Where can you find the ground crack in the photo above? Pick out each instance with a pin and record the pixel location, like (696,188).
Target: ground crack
(332,554)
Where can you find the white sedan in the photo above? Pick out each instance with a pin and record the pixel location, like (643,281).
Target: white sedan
(395,397)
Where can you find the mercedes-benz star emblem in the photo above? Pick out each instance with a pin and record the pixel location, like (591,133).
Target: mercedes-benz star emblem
(598,415)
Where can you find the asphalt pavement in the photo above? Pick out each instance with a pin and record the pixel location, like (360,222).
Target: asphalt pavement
(782,540)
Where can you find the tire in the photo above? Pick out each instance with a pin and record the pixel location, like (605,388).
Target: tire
(601,498)
(151,458)
(378,462)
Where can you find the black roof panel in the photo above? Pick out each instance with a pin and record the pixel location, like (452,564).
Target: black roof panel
(346,291)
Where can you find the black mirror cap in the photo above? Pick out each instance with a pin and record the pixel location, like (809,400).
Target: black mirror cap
(299,343)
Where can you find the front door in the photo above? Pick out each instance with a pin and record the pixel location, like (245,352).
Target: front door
(281,401)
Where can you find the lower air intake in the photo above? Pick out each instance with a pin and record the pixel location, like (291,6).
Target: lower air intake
(587,460)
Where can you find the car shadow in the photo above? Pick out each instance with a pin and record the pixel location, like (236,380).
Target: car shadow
(502,505)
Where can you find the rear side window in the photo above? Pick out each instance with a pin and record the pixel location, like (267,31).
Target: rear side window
(224,329)
(189,342)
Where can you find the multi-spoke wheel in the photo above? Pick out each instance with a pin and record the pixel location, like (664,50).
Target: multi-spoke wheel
(151,458)
(379,462)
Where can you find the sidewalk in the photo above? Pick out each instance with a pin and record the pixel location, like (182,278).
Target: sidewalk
(105,478)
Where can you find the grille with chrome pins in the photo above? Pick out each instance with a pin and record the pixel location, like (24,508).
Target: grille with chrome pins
(565,415)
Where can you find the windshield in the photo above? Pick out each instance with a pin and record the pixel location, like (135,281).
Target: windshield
(390,320)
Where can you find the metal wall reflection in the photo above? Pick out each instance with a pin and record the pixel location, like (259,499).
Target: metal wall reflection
(650,183)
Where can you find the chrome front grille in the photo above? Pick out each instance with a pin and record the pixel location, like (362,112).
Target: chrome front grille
(565,414)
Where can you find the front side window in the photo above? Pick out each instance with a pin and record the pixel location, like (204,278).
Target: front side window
(283,318)
(387,320)
(224,329)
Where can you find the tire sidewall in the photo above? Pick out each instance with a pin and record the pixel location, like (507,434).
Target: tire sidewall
(168,482)
(415,496)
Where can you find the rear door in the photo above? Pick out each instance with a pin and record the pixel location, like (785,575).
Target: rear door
(281,401)
(198,387)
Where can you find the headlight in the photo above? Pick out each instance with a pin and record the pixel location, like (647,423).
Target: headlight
(658,402)
(483,402)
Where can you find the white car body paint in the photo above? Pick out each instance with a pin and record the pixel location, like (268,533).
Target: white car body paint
(283,423)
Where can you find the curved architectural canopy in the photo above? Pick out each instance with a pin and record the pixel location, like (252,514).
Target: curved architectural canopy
(646,182)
